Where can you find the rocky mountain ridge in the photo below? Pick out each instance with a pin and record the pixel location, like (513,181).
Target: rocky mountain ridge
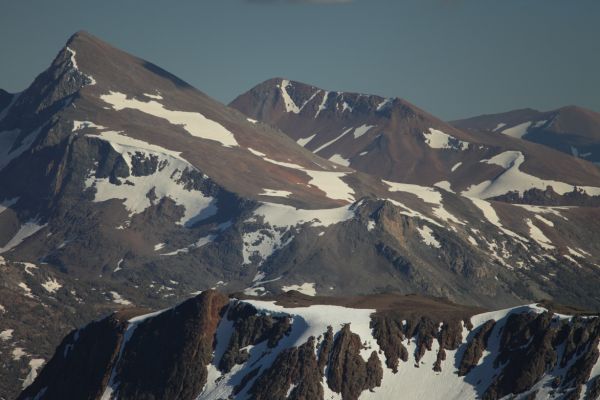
(394,140)
(212,347)
(121,185)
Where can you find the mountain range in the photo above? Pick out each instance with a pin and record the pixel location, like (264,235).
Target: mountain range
(123,187)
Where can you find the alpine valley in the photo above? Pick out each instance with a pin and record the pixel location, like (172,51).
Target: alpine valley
(299,243)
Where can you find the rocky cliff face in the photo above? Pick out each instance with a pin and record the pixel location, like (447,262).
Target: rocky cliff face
(294,347)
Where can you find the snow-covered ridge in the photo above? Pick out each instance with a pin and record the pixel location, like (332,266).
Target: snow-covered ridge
(413,380)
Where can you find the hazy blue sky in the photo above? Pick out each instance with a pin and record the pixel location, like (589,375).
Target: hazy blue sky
(454,58)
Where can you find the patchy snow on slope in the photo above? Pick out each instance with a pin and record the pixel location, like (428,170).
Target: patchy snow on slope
(275,193)
(18,353)
(329,182)
(6,334)
(6,204)
(515,180)
(306,288)
(156,96)
(544,220)
(34,365)
(517,131)
(290,106)
(194,123)
(490,215)
(118,299)
(338,159)
(166,181)
(455,166)
(26,289)
(91,80)
(384,104)
(26,230)
(361,130)
(199,243)
(553,210)
(537,235)
(79,125)
(445,185)
(304,141)
(439,140)
(427,236)
(428,195)
(51,285)
(499,126)
(332,184)
(409,212)
(327,144)
(281,222)
(119,265)
(323,104)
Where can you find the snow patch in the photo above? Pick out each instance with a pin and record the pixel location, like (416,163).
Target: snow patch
(515,180)
(304,141)
(427,236)
(439,140)
(338,159)
(517,131)
(290,106)
(194,123)
(166,181)
(305,288)
(282,222)
(118,299)
(6,334)
(361,130)
(536,234)
(275,193)
(34,366)
(26,230)
(51,285)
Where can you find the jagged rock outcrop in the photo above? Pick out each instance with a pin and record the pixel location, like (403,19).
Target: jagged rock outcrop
(347,372)
(294,375)
(249,328)
(166,356)
(475,348)
(82,365)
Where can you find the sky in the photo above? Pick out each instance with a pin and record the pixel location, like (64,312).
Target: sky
(453,58)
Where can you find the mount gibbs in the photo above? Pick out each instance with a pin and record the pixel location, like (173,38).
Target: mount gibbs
(300,347)
(121,186)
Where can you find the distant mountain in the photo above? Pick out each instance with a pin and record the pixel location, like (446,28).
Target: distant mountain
(122,186)
(392,139)
(572,130)
(298,347)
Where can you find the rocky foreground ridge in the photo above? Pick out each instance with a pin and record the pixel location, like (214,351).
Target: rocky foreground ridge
(297,347)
